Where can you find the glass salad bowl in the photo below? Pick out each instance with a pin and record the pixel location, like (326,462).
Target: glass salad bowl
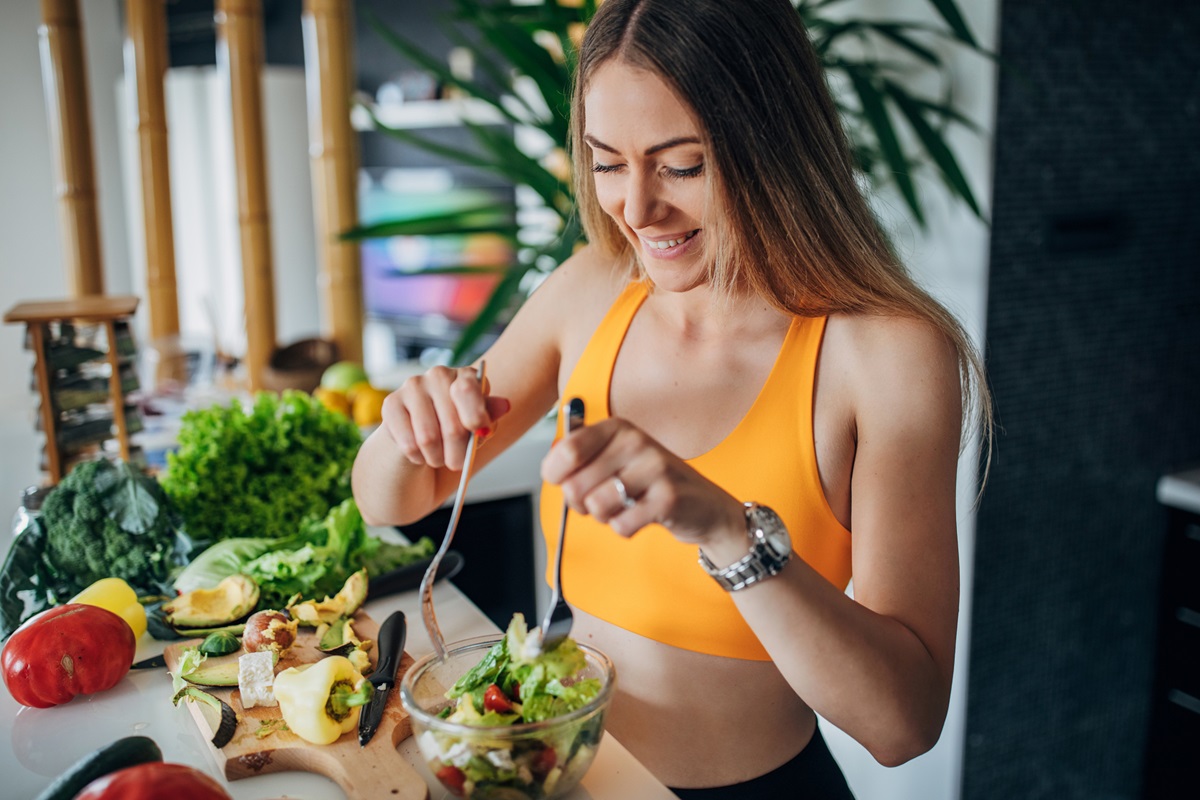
(522,761)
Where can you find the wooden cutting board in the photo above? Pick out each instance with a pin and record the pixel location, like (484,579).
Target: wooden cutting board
(364,773)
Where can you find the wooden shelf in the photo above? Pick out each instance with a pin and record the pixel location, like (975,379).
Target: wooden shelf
(51,327)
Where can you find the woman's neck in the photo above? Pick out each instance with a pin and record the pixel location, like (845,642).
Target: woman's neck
(701,313)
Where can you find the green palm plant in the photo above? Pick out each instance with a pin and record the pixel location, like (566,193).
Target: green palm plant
(526,56)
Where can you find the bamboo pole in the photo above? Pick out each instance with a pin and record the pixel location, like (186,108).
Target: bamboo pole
(240,56)
(115,392)
(64,82)
(40,337)
(146,52)
(333,149)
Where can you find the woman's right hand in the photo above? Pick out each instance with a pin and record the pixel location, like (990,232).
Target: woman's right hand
(431,416)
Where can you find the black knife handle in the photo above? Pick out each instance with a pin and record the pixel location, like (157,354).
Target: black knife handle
(391,647)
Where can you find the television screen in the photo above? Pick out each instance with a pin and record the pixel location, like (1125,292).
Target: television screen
(430,306)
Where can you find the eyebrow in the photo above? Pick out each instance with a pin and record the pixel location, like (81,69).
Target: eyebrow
(678,140)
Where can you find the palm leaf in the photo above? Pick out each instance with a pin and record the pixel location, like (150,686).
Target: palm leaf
(499,302)
(442,71)
(950,13)
(876,115)
(935,146)
(898,34)
(520,168)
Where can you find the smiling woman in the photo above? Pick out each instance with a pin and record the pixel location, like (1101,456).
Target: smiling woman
(768,394)
(648,173)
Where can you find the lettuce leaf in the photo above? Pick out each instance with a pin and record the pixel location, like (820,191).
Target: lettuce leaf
(314,562)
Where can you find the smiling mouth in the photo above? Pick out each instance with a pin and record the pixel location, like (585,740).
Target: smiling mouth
(667,243)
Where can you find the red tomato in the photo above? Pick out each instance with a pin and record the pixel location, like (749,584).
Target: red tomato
(494,699)
(543,762)
(68,650)
(451,777)
(152,782)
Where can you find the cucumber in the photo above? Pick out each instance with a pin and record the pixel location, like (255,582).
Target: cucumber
(221,717)
(127,752)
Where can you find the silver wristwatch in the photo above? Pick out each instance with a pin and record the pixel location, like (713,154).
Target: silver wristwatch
(770,549)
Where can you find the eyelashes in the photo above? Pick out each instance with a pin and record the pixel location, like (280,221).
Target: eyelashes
(670,172)
(690,172)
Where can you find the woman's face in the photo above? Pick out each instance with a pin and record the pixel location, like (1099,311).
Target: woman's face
(648,163)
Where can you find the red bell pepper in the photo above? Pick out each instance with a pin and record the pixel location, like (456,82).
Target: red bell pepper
(154,781)
(68,650)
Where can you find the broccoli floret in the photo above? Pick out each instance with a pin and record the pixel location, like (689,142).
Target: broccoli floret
(111,520)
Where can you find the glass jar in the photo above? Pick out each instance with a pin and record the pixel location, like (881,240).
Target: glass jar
(30,508)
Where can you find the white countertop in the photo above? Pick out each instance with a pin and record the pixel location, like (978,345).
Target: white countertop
(42,743)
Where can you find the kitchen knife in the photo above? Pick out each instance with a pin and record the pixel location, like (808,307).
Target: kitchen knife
(154,662)
(391,649)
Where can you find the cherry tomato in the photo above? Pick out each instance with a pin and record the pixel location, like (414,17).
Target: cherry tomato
(494,699)
(153,781)
(452,778)
(68,650)
(543,762)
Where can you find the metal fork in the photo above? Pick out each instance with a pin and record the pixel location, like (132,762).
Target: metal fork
(557,622)
(431,624)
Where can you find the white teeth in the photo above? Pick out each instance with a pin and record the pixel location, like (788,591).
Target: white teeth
(668,243)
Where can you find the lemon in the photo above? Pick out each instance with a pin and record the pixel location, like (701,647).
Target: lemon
(368,405)
(333,400)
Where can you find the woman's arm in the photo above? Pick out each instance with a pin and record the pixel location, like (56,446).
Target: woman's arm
(412,462)
(880,666)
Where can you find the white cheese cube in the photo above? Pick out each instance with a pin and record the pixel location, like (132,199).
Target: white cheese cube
(256,676)
(501,759)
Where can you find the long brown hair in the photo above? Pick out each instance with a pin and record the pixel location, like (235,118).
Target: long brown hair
(792,223)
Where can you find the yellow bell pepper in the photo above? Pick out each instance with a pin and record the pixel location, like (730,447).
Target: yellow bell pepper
(319,702)
(116,596)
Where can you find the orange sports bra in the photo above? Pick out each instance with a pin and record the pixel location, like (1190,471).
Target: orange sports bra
(651,584)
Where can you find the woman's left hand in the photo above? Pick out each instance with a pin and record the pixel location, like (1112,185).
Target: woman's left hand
(621,476)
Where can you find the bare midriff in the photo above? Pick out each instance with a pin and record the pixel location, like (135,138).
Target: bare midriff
(693,719)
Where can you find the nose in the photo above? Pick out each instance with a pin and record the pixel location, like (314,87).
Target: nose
(643,202)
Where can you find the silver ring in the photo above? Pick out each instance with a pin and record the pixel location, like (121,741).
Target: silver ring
(626,500)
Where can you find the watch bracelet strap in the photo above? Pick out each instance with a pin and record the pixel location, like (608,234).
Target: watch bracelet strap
(755,566)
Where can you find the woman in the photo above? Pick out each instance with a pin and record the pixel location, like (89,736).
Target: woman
(741,334)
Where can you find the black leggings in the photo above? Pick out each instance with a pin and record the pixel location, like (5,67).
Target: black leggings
(811,774)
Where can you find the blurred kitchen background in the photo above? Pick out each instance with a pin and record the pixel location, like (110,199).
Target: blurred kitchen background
(1085,290)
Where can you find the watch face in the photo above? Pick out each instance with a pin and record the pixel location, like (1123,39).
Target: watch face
(774,533)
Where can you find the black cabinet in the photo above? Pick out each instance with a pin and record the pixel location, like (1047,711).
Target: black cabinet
(496,541)
(1173,745)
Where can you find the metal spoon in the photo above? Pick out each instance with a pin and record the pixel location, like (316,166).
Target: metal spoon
(431,624)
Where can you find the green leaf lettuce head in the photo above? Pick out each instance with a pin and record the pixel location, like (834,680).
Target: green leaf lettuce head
(313,562)
(261,471)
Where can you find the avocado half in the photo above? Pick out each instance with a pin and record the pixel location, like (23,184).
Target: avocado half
(311,613)
(229,601)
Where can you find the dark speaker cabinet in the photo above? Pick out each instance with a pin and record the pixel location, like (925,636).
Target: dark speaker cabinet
(1173,744)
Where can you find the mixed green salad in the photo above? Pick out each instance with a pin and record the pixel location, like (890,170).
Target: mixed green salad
(516,683)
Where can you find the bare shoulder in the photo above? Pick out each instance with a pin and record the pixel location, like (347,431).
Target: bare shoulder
(894,368)
(574,297)
(586,279)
